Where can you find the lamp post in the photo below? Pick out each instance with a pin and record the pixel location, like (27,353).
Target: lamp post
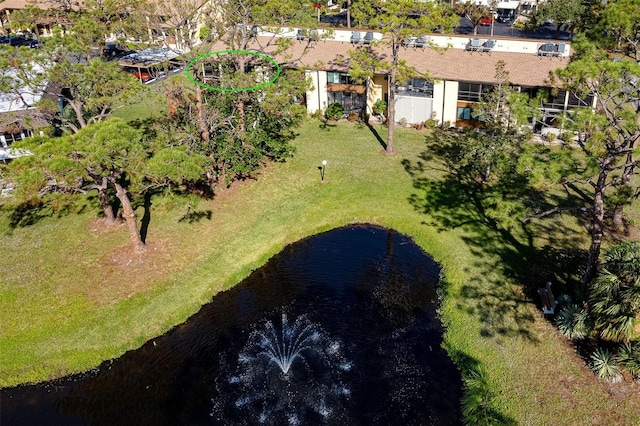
(324,164)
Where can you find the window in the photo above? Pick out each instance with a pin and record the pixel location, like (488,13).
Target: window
(417,87)
(557,101)
(472,92)
(352,102)
(578,102)
(465,113)
(339,78)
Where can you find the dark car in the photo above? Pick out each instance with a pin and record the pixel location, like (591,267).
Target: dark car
(19,41)
(114,50)
(506,17)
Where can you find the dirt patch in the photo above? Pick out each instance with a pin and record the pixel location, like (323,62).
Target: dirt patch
(100,225)
(123,273)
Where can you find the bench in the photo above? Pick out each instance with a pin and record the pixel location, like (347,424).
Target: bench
(547,299)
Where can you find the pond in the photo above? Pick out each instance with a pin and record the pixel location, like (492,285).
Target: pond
(340,328)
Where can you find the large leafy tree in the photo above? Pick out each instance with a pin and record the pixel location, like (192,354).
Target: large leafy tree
(92,90)
(398,20)
(607,137)
(620,23)
(563,13)
(473,11)
(90,87)
(238,129)
(109,157)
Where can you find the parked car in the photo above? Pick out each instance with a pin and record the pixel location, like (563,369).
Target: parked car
(487,20)
(35,44)
(140,75)
(506,17)
(115,50)
(19,41)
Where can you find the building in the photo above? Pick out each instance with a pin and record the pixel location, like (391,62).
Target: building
(454,76)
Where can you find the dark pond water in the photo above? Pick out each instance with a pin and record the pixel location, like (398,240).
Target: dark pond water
(337,329)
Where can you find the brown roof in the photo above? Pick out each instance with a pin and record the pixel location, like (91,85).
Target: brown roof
(453,64)
(42,4)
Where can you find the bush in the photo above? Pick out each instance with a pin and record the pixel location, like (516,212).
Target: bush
(550,136)
(379,107)
(629,356)
(477,401)
(317,114)
(431,124)
(603,364)
(573,322)
(334,111)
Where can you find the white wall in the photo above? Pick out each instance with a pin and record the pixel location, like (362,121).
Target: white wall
(414,109)
(317,98)
(450,110)
(438,100)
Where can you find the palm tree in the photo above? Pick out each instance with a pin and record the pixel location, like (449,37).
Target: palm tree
(614,298)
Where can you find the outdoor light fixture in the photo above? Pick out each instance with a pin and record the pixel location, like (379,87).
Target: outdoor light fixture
(324,164)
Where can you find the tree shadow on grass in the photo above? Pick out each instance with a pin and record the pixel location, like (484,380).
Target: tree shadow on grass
(512,267)
(31,212)
(375,133)
(195,216)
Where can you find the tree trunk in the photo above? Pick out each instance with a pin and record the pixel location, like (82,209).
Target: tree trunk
(618,217)
(348,13)
(242,127)
(129,215)
(101,185)
(202,122)
(597,229)
(391,119)
(107,208)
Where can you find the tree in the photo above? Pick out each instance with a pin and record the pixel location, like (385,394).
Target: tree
(607,137)
(474,12)
(23,76)
(398,20)
(102,156)
(92,91)
(238,129)
(562,12)
(620,22)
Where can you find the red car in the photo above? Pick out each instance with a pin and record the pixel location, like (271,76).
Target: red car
(140,75)
(487,20)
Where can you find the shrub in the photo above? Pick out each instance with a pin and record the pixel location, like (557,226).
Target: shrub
(379,107)
(603,364)
(431,124)
(573,322)
(334,111)
(477,401)
(550,136)
(629,356)
(317,114)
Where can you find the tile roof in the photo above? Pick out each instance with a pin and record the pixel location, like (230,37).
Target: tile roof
(525,69)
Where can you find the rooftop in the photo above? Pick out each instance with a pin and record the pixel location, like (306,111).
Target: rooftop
(525,67)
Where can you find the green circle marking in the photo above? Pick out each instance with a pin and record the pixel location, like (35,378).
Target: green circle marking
(231,89)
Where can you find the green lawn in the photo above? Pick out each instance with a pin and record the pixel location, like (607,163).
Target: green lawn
(69,300)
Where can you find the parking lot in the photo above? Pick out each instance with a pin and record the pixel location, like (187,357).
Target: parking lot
(545,32)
